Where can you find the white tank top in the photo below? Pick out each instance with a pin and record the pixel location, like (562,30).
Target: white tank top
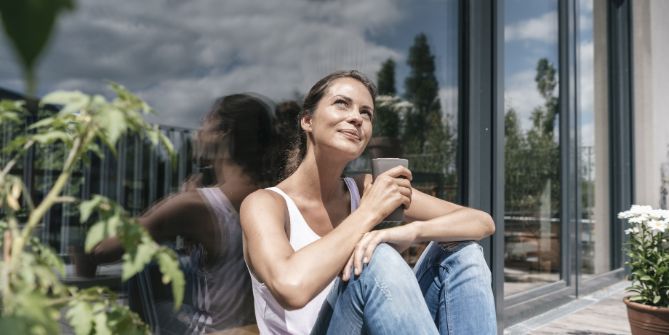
(271,317)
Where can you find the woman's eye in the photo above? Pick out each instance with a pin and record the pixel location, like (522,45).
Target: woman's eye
(341,104)
(367,114)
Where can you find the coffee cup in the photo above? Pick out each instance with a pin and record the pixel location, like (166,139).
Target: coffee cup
(379,166)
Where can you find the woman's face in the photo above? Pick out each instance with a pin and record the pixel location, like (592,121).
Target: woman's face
(343,119)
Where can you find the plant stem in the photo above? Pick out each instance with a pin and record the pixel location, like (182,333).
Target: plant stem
(38,213)
(11,163)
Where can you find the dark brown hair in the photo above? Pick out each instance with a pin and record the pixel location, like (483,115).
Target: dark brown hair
(241,127)
(316,93)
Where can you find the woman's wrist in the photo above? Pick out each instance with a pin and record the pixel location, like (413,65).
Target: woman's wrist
(415,229)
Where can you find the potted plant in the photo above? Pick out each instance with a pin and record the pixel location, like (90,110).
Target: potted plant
(385,141)
(648,252)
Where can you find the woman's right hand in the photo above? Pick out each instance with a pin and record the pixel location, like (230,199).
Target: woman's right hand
(390,190)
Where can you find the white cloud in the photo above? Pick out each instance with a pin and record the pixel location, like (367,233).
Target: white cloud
(522,95)
(179,55)
(542,29)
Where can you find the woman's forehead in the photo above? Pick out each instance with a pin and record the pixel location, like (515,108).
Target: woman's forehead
(351,88)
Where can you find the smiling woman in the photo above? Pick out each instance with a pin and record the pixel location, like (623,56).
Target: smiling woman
(314,260)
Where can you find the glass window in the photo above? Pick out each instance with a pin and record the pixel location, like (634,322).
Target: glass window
(532,150)
(594,138)
(181,56)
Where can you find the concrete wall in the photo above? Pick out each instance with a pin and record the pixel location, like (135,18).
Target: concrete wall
(651,100)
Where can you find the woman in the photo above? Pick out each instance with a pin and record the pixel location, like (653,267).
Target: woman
(237,145)
(313,226)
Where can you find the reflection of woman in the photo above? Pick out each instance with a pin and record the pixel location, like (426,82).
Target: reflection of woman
(313,227)
(236,138)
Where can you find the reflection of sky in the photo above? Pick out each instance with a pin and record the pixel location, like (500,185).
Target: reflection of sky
(530,33)
(179,55)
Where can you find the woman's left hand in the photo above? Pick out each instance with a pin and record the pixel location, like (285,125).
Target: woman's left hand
(400,238)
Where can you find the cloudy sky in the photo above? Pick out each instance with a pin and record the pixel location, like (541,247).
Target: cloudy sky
(180,55)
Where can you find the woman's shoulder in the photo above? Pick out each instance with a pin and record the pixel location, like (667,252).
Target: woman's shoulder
(264,199)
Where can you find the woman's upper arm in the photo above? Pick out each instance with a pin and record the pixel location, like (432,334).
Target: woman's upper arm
(263,218)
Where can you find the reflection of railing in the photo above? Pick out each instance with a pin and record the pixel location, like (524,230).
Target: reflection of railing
(136,177)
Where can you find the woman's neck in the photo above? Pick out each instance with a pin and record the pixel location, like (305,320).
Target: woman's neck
(320,178)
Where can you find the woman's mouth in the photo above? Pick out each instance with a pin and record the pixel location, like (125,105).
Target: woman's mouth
(351,134)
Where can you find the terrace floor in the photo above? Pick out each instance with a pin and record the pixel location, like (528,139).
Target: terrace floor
(600,313)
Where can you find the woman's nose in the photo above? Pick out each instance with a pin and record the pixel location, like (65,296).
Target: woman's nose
(355,117)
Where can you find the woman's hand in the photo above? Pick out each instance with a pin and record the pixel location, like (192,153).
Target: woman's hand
(390,190)
(400,238)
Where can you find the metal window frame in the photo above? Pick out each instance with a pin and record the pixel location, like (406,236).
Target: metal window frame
(481,146)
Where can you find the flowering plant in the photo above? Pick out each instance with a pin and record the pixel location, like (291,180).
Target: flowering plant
(648,251)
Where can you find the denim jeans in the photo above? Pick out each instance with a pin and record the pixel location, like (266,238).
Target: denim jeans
(447,293)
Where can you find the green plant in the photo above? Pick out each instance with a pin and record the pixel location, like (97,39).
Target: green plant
(32,294)
(648,251)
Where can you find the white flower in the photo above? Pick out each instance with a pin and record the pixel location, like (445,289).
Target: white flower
(660,214)
(638,219)
(657,226)
(633,230)
(635,211)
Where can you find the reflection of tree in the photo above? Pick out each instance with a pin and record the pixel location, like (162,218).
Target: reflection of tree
(421,88)
(386,78)
(426,133)
(532,158)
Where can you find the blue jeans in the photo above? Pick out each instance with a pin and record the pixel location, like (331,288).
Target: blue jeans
(447,293)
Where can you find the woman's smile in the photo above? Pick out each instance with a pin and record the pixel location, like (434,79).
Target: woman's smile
(351,134)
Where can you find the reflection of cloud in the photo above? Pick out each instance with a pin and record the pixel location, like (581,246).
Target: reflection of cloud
(587,77)
(521,94)
(179,55)
(543,28)
(448,97)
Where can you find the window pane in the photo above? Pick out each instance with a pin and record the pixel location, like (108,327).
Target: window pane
(532,151)
(594,138)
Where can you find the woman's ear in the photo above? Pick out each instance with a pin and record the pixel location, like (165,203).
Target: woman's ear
(305,123)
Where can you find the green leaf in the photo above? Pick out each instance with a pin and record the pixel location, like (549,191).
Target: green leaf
(42,123)
(112,123)
(136,259)
(86,207)
(14,325)
(70,101)
(80,316)
(656,299)
(101,326)
(29,24)
(100,231)
(169,267)
(48,257)
(52,136)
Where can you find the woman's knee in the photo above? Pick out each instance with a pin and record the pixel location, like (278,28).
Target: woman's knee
(470,263)
(386,259)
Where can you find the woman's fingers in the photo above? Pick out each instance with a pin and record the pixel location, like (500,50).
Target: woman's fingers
(399,172)
(346,274)
(360,251)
